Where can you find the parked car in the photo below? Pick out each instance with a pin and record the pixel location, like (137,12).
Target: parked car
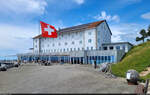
(47,63)
(9,65)
(16,64)
(3,67)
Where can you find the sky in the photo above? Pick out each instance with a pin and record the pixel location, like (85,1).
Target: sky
(19,19)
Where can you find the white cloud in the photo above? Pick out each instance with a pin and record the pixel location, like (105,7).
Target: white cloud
(116,38)
(59,24)
(125,32)
(16,38)
(146,15)
(79,1)
(23,6)
(103,15)
(116,33)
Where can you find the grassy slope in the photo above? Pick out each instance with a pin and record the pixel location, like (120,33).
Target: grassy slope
(137,58)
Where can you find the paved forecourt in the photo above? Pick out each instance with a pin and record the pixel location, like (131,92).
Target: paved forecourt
(67,78)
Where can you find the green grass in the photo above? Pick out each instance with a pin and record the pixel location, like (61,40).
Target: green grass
(137,58)
(145,77)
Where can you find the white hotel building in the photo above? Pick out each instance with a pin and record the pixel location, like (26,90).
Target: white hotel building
(79,44)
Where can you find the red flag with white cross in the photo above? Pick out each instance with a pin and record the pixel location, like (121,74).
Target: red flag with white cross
(48,30)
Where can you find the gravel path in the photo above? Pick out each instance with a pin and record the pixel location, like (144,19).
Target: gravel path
(32,78)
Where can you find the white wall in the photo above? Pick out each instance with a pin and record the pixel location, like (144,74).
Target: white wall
(127,47)
(36,45)
(90,34)
(103,34)
(59,42)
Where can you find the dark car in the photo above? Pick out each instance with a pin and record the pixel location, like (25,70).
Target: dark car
(9,65)
(16,64)
(3,67)
(47,63)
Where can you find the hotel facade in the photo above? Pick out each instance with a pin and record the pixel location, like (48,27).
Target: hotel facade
(79,44)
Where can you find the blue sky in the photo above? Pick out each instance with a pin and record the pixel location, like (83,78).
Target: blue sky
(19,19)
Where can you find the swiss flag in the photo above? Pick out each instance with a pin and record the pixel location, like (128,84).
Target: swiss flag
(48,30)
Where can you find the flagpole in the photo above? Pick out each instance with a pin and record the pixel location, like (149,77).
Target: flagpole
(39,39)
(39,27)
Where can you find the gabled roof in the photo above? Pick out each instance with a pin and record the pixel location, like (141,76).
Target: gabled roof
(38,36)
(78,28)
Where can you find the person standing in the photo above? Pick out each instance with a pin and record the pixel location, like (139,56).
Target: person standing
(95,65)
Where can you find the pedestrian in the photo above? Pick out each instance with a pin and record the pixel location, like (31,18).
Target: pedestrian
(95,65)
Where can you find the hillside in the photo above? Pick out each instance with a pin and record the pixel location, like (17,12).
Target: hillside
(137,58)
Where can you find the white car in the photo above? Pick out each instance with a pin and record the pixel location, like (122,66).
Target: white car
(3,67)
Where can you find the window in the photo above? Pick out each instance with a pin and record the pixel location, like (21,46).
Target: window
(118,47)
(87,48)
(59,44)
(35,46)
(53,44)
(82,48)
(59,37)
(99,48)
(105,58)
(74,49)
(105,48)
(123,47)
(92,57)
(73,42)
(112,59)
(80,42)
(48,45)
(98,40)
(67,49)
(70,49)
(96,57)
(65,43)
(89,33)
(78,49)
(89,40)
(111,47)
(80,33)
(91,48)
(64,50)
